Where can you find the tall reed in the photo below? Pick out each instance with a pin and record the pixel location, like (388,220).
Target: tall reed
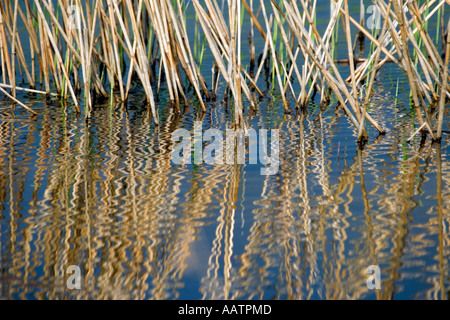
(85,51)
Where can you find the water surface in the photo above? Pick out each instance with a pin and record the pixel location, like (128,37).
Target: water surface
(103,194)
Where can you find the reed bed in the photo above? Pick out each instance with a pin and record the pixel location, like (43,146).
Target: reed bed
(90,51)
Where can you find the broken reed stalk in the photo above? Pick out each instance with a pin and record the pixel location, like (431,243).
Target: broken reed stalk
(17,101)
(116,45)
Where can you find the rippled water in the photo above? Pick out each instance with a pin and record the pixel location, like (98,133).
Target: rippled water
(104,195)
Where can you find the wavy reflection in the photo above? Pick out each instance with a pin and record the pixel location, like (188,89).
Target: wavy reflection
(103,194)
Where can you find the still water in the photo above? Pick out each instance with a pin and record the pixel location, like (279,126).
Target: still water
(103,194)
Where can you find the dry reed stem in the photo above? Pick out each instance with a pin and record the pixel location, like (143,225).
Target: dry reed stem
(375,67)
(13,50)
(348,37)
(299,35)
(57,53)
(443,87)
(17,101)
(408,63)
(273,53)
(8,86)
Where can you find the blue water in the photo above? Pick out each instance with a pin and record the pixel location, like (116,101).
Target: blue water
(104,195)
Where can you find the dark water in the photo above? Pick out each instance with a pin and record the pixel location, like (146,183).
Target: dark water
(103,194)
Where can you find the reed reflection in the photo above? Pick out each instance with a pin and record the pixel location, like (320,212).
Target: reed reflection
(104,195)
